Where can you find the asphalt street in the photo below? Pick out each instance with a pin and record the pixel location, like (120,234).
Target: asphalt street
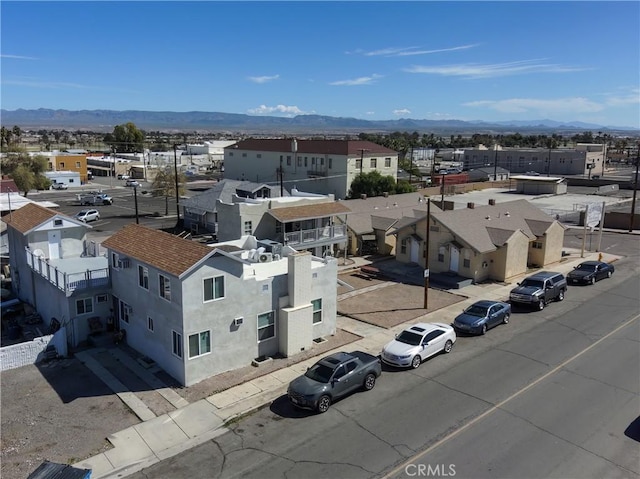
(554,393)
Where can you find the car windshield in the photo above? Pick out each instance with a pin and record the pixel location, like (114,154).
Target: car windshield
(319,372)
(532,283)
(477,310)
(586,267)
(408,337)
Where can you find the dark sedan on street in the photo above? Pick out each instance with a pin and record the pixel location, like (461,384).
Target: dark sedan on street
(481,316)
(589,272)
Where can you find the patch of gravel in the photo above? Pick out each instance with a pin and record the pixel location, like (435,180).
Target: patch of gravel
(57,411)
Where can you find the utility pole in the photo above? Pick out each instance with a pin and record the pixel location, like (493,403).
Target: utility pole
(281,181)
(175,172)
(442,191)
(362,150)
(135,200)
(426,257)
(411,164)
(495,163)
(635,191)
(549,161)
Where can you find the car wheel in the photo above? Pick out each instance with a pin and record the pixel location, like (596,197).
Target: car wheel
(415,362)
(560,295)
(324,403)
(609,274)
(369,382)
(505,320)
(484,329)
(592,280)
(448,346)
(541,305)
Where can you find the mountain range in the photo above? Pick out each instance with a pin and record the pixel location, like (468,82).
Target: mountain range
(105,120)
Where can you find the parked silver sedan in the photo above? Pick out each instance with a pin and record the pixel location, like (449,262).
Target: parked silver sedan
(417,343)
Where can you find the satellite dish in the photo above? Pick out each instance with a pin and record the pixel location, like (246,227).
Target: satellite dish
(39,253)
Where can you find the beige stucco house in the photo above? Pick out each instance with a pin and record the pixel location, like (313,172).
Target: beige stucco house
(495,242)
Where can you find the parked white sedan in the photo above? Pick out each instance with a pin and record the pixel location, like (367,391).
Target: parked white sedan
(417,343)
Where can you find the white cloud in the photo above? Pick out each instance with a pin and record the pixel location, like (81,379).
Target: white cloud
(632,98)
(403,111)
(263,79)
(282,109)
(370,113)
(357,81)
(521,105)
(44,84)
(472,70)
(17,57)
(409,51)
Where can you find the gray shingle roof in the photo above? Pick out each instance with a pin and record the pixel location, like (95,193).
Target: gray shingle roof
(224,191)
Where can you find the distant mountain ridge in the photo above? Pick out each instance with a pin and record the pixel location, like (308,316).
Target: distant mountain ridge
(105,120)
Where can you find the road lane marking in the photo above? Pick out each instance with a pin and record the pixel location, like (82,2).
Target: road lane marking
(420,455)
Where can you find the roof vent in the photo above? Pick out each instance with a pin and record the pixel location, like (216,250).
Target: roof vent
(363,196)
(488,218)
(507,214)
(492,202)
(471,205)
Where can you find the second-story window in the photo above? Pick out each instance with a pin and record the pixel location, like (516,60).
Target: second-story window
(77,164)
(143,277)
(248,228)
(387,162)
(358,163)
(213,288)
(317,310)
(165,287)
(84,306)
(374,162)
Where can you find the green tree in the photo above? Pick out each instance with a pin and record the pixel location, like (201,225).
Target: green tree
(403,186)
(371,184)
(27,171)
(164,184)
(24,178)
(126,139)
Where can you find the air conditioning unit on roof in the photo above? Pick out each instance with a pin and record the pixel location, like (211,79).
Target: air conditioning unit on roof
(265,258)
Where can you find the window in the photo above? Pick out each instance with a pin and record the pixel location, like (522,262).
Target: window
(440,257)
(259,155)
(114,260)
(537,245)
(143,277)
(288,160)
(317,310)
(102,298)
(244,155)
(330,163)
(432,335)
(266,326)
(305,161)
(351,366)
(231,153)
(466,263)
(125,311)
(61,164)
(321,161)
(341,371)
(213,288)
(248,227)
(165,287)
(358,163)
(77,164)
(387,162)
(299,161)
(57,222)
(199,344)
(403,246)
(150,323)
(374,162)
(84,306)
(177,344)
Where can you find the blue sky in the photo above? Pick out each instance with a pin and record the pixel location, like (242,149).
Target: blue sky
(491,61)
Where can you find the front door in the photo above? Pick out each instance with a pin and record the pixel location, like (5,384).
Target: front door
(415,249)
(454,260)
(54,244)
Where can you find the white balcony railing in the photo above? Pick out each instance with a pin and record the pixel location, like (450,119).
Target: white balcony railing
(325,234)
(67,282)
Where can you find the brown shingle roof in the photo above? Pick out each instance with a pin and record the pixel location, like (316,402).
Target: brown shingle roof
(28,217)
(158,249)
(327,147)
(306,212)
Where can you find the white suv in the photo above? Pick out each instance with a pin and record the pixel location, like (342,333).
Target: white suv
(88,215)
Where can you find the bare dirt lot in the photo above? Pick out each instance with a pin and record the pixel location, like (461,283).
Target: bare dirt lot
(59,411)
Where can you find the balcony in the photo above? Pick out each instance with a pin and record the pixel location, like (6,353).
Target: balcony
(325,235)
(71,274)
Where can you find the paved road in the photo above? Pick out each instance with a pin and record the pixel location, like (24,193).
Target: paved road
(552,394)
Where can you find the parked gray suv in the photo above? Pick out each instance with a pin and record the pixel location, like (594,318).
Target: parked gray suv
(539,289)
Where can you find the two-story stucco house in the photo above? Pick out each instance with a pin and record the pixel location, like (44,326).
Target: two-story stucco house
(494,242)
(200,310)
(304,221)
(200,211)
(57,271)
(318,166)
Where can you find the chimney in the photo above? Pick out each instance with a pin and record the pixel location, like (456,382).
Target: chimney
(471,205)
(299,278)
(492,202)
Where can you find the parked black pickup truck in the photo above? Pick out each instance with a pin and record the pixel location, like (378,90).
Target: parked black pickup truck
(539,289)
(333,377)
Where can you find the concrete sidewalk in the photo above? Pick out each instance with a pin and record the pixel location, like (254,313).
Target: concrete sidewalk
(161,437)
